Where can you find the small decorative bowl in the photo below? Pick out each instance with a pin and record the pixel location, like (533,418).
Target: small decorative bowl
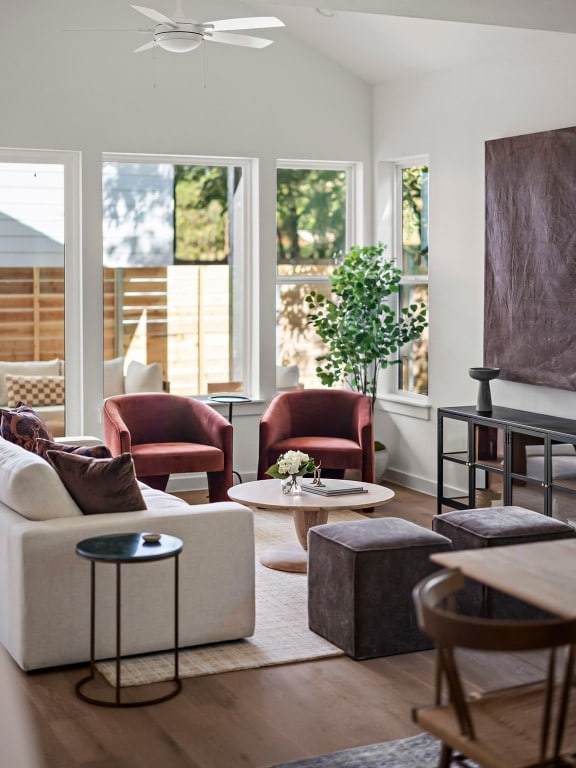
(484,374)
(151,538)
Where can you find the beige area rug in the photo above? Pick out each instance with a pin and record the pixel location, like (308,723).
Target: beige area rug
(281,637)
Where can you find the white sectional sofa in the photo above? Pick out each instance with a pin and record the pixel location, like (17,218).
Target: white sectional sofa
(44,585)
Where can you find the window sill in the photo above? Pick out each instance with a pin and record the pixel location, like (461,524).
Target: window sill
(404,406)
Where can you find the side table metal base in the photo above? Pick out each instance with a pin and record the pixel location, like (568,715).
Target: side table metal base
(231,399)
(117,701)
(119,549)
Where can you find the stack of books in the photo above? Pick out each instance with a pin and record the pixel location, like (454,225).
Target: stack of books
(333,488)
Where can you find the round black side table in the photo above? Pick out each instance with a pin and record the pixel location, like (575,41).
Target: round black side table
(120,549)
(230,399)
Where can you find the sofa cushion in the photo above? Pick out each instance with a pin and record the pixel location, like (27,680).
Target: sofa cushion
(27,368)
(35,390)
(143,378)
(99,485)
(31,487)
(22,425)
(113,377)
(287,377)
(41,446)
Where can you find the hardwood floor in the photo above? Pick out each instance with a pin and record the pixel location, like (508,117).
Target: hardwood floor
(252,718)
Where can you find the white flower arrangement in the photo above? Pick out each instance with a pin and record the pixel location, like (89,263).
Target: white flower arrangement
(291,464)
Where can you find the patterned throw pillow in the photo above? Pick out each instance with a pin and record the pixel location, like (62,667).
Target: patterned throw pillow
(41,445)
(23,426)
(99,485)
(36,390)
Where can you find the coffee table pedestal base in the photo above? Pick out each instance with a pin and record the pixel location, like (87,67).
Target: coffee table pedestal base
(294,557)
(287,557)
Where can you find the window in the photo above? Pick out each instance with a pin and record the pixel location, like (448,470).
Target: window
(175,289)
(412,258)
(39,258)
(315,220)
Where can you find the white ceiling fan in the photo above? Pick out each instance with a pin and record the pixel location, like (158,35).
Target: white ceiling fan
(180,34)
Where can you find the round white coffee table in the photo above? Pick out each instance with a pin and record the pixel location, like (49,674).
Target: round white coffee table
(308,509)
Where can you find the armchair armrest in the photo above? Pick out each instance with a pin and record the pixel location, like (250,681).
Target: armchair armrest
(362,424)
(116,433)
(207,425)
(275,421)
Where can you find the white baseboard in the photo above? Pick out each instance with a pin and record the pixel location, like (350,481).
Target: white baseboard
(197,482)
(410,481)
(190,481)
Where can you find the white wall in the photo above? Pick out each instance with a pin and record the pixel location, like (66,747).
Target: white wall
(89,92)
(449,115)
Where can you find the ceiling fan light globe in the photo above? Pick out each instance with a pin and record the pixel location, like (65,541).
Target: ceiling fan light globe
(178,41)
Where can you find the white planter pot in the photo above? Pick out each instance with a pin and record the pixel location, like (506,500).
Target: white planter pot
(380,465)
(381,459)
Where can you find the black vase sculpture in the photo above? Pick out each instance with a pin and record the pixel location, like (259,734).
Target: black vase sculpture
(484,376)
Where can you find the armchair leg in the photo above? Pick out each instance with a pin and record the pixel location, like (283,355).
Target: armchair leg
(159,482)
(218,484)
(336,474)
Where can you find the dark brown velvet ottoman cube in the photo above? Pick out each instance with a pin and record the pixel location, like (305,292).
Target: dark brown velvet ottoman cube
(497,527)
(360,580)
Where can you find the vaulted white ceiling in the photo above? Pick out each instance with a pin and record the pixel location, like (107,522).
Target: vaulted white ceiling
(382,39)
(551,15)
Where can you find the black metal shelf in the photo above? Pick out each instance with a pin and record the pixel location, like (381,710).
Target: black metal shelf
(497,447)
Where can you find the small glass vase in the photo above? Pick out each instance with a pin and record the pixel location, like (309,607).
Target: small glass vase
(290,485)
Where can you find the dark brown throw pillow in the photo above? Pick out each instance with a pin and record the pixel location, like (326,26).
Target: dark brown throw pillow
(99,485)
(22,425)
(41,446)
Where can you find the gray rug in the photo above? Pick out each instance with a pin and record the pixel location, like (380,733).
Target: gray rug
(420,751)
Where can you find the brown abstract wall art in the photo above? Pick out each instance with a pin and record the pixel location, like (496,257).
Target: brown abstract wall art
(530,268)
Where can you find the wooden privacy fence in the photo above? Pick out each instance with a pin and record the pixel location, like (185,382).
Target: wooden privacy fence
(178,316)
(31,313)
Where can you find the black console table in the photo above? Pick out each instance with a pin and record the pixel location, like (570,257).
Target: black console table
(506,457)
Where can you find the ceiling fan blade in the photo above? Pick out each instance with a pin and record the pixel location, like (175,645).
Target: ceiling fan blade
(156,16)
(254,22)
(144,31)
(146,46)
(244,40)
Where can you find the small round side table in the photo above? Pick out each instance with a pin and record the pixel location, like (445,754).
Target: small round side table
(120,549)
(230,399)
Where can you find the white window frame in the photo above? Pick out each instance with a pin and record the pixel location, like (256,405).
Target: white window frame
(353,216)
(389,229)
(248,288)
(353,172)
(73,300)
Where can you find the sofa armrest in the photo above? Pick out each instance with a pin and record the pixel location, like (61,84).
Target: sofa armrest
(45,593)
(79,440)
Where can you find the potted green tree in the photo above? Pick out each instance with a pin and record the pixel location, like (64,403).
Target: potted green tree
(361,329)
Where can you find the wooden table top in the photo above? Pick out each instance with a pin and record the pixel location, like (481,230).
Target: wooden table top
(541,573)
(267,494)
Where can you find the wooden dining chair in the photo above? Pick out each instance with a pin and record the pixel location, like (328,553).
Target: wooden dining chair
(528,725)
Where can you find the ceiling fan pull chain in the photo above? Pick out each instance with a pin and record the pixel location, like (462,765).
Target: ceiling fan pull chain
(204,65)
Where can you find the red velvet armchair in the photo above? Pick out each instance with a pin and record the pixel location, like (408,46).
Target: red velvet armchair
(169,434)
(333,426)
